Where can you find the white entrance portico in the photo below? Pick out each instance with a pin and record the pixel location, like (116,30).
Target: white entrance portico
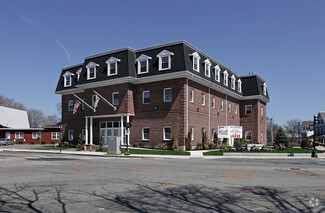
(107,128)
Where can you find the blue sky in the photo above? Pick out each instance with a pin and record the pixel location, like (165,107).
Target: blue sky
(282,41)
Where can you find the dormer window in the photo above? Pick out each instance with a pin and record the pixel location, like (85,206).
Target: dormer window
(112,66)
(164,58)
(239,85)
(207,67)
(233,82)
(78,74)
(67,79)
(143,64)
(217,73)
(225,78)
(264,89)
(91,70)
(196,61)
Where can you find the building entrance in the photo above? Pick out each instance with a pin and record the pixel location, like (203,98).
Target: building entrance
(111,129)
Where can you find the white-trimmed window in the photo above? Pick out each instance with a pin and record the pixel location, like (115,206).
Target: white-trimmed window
(115,98)
(70,105)
(248,135)
(207,67)
(196,61)
(262,136)
(192,132)
(203,99)
(225,77)
(221,105)
(167,133)
(55,135)
(168,95)
(217,73)
(239,85)
(213,102)
(248,109)
(67,79)
(19,135)
(70,135)
(146,97)
(83,134)
(262,110)
(192,95)
(78,74)
(112,66)
(229,107)
(164,59)
(233,82)
(264,89)
(145,133)
(36,135)
(91,70)
(236,109)
(143,64)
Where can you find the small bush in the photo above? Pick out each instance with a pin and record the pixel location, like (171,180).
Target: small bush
(224,141)
(204,141)
(52,142)
(42,142)
(189,141)
(266,148)
(80,147)
(19,142)
(279,147)
(198,147)
(162,146)
(100,148)
(141,145)
(175,140)
(66,144)
(135,144)
(212,146)
(255,149)
(31,143)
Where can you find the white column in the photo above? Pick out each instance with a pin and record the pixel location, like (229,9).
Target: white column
(128,132)
(122,132)
(91,131)
(86,131)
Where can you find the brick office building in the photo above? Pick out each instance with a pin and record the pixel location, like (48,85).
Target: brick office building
(160,89)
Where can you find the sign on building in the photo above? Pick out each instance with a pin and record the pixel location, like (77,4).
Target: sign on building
(230,131)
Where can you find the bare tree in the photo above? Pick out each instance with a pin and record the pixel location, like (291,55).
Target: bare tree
(9,102)
(271,129)
(293,128)
(51,120)
(35,117)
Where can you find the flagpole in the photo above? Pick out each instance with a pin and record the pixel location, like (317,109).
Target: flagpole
(84,102)
(114,107)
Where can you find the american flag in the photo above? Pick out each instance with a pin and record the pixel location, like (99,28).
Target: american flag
(76,105)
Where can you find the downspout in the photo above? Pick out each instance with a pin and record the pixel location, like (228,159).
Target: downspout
(186,107)
(226,110)
(209,117)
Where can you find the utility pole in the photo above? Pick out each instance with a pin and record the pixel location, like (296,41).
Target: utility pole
(314,154)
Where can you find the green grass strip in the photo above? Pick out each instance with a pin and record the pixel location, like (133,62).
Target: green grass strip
(156,152)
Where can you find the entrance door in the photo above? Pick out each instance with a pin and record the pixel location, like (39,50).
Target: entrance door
(7,135)
(111,129)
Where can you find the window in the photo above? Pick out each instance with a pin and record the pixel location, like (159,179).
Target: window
(192,95)
(167,133)
(192,133)
(19,135)
(115,98)
(145,133)
(36,135)
(67,79)
(112,66)
(213,131)
(203,131)
(262,136)
(70,105)
(196,61)
(203,99)
(264,89)
(94,101)
(248,109)
(239,85)
(233,82)
(236,109)
(207,66)
(70,135)
(229,107)
(217,73)
(55,135)
(248,135)
(83,134)
(91,70)
(262,111)
(164,59)
(143,64)
(221,105)
(213,102)
(167,95)
(146,97)
(225,78)
(78,74)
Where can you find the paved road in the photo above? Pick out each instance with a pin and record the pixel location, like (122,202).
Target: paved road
(33,182)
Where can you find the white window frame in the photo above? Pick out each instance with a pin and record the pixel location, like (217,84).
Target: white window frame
(236,109)
(141,58)
(143,93)
(264,89)
(192,132)
(70,105)
(113,99)
(143,134)
(70,135)
(36,135)
(55,135)
(89,66)
(225,77)
(196,56)
(229,107)
(203,99)
(164,53)
(171,133)
(217,73)
(171,98)
(239,85)
(233,82)
(262,136)
(246,109)
(207,68)
(221,104)
(19,135)
(262,111)
(112,60)
(246,134)
(67,75)
(78,74)
(213,102)
(191,95)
